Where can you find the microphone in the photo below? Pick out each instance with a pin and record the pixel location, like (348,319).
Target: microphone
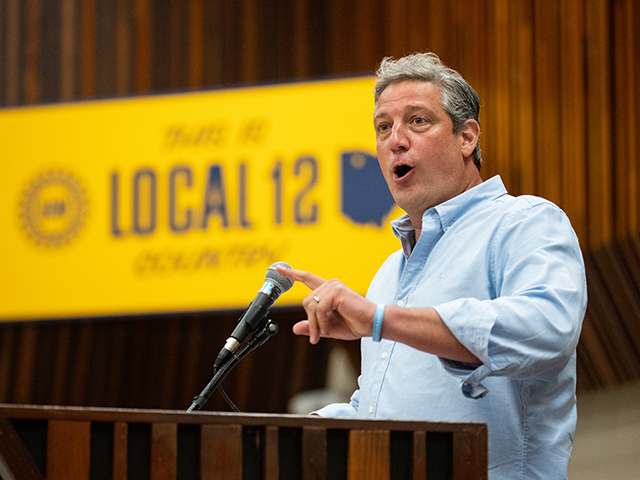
(256,315)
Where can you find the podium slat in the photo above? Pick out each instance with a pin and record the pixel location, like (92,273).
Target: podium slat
(221,452)
(419,455)
(120,437)
(469,456)
(368,455)
(164,451)
(69,450)
(314,453)
(271,454)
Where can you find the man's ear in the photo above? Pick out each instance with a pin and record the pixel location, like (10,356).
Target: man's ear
(470,134)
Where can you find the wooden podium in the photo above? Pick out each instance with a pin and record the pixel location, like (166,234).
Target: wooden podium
(71,443)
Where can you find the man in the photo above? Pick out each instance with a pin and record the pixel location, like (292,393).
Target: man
(477,317)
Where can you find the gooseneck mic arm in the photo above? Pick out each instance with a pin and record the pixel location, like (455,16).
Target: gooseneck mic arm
(253,329)
(264,334)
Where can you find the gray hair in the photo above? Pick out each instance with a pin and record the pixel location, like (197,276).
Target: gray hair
(459,100)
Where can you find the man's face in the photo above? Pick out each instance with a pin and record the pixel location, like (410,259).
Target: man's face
(422,160)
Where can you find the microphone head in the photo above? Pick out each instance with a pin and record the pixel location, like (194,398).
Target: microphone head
(278,280)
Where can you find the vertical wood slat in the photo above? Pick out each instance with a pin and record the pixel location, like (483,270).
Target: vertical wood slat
(26,363)
(176,53)
(368,455)
(573,113)
(467,456)
(497,125)
(61,364)
(314,453)
(250,41)
(396,18)
(339,36)
(122,46)
(419,466)
(599,126)
(32,51)
(524,142)
(88,49)
(67,48)
(626,155)
(164,451)
(301,46)
(196,44)
(221,452)
(271,453)
(415,32)
(80,364)
(120,445)
(363,36)
(439,19)
(547,98)
(68,450)
(142,46)
(12,49)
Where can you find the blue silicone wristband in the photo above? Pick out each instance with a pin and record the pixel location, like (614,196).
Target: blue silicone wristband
(377,322)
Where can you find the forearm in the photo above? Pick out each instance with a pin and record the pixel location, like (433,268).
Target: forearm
(423,329)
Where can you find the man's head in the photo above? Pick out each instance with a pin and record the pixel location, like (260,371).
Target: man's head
(459,100)
(425,152)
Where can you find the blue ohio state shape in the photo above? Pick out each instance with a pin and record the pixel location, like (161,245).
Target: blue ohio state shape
(366,197)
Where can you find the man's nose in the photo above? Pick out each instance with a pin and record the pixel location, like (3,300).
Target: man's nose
(399,139)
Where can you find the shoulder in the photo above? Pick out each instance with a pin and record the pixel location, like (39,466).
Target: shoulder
(534,208)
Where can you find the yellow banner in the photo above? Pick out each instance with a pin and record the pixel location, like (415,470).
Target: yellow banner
(181,202)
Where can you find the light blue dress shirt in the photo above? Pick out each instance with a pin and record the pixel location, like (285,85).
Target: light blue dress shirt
(507,277)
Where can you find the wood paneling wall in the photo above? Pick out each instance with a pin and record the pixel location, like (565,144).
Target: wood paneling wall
(560,119)
(154,362)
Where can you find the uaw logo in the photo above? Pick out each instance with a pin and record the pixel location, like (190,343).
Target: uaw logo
(53,209)
(366,198)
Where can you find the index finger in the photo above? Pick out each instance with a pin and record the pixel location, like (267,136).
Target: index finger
(309,279)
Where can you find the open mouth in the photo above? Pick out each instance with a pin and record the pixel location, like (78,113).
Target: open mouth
(402,170)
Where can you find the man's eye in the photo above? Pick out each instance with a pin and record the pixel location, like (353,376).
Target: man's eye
(419,120)
(382,127)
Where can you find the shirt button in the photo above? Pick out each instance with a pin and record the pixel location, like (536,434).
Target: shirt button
(400,303)
(371,409)
(385,354)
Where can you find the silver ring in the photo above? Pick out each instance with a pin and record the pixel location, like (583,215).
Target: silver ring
(316,299)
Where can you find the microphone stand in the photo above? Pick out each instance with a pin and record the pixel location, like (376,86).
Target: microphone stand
(257,339)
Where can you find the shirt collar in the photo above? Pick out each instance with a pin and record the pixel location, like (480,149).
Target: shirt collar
(450,211)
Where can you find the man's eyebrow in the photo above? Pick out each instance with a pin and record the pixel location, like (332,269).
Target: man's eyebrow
(378,115)
(407,110)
